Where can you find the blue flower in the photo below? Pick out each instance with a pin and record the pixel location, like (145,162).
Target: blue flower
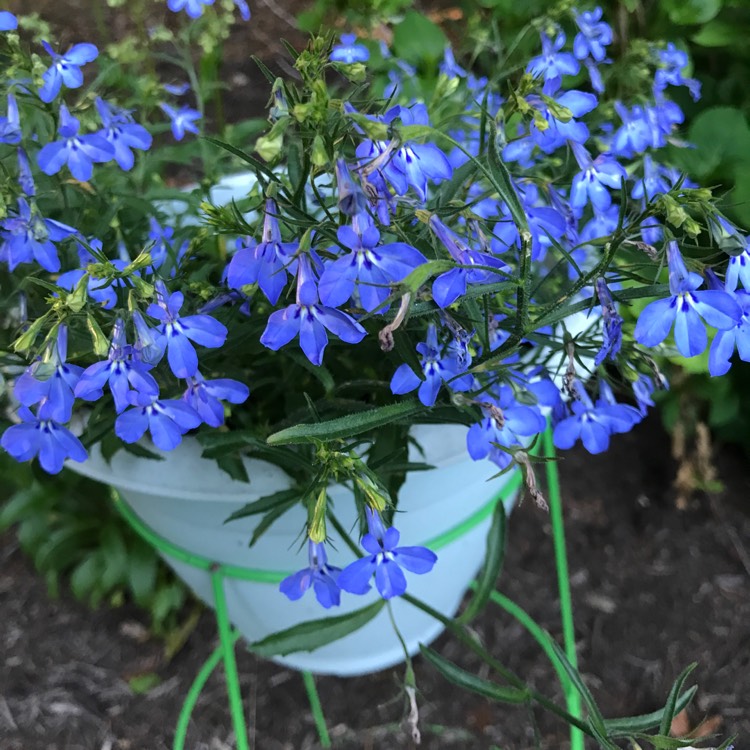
(27,237)
(596,175)
(738,269)
(737,337)
(10,125)
(349,52)
(166,419)
(451,285)
(120,370)
(672,62)
(122,133)
(375,267)
(553,64)
(634,136)
(65,69)
(505,423)
(438,367)
(685,308)
(194,8)
(319,574)
(385,560)
(593,37)
(558,131)
(308,319)
(50,383)
(182,120)
(164,247)
(267,263)
(351,198)
(449,67)
(612,329)
(25,178)
(205,397)
(100,290)
(243,8)
(79,152)
(46,438)
(593,425)
(179,331)
(8,22)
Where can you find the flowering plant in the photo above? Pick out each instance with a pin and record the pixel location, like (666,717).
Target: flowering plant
(402,251)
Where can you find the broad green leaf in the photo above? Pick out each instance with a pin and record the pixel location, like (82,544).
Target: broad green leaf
(20,504)
(493,563)
(670,709)
(142,568)
(689,12)
(718,33)
(233,466)
(348,426)
(85,577)
(631,725)
(308,636)
(463,679)
(417,39)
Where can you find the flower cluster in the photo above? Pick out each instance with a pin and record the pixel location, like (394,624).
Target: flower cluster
(485,272)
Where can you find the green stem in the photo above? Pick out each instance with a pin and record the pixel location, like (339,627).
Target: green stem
(316,708)
(572,698)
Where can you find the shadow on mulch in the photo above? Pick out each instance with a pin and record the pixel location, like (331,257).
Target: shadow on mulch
(654,589)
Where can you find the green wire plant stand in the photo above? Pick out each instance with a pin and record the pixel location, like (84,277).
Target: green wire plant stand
(229,636)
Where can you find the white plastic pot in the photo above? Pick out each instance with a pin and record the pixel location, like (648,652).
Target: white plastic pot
(185,499)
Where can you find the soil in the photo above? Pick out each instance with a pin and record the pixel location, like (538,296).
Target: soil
(654,589)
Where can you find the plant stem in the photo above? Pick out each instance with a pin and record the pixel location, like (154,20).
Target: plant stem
(572,698)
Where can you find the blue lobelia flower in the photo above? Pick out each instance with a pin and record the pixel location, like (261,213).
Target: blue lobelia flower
(166,419)
(449,67)
(672,61)
(79,152)
(46,438)
(593,425)
(149,343)
(643,388)
(121,370)
(194,8)
(243,8)
(593,37)
(65,69)
(205,397)
(553,64)
(505,423)
(10,125)
(557,131)
(351,197)
(635,135)
(349,52)
(25,177)
(182,120)
(179,331)
(319,574)
(51,382)
(373,266)
(449,286)
(685,308)
(655,181)
(596,175)
(165,247)
(437,366)
(100,290)
(27,237)
(738,337)
(8,22)
(308,319)
(385,560)
(738,269)
(122,133)
(612,329)
(267,263)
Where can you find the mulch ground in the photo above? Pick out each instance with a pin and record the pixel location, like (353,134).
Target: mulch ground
(654,589)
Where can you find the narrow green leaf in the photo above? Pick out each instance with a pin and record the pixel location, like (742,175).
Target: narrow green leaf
(665,742)
(348,426)
(307,636)
(493,563)
(269,519)
(233,466)
(670,709)
(631,725)
(500,178)
(257,165)
(265,503)
(596,719)
(463,679)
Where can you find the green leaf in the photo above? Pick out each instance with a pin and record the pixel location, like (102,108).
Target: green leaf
(265,503)
(257,165)
(631,725)
(233,466)
(348,426)
(688,12)
(85,577)
(270,518)
(307,636)
(670,709)
(416,39)
(142,683)
(143,564)
(719,34)
(20,504)
(493,563)
(463,679)
(500,178)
